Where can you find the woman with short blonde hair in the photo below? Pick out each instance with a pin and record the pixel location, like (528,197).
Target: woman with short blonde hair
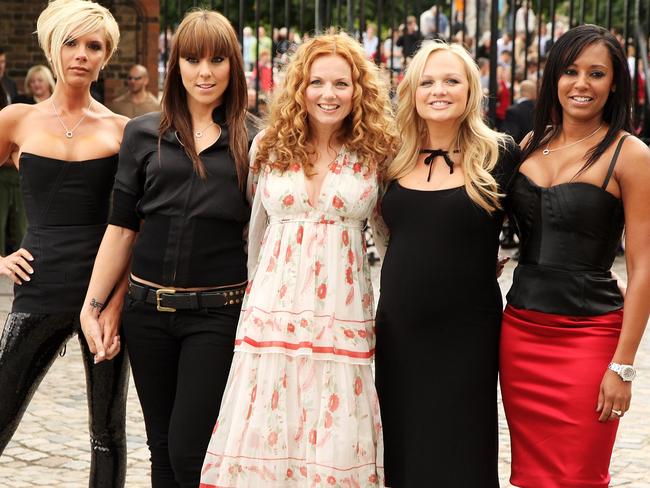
(440,306)
(65,147)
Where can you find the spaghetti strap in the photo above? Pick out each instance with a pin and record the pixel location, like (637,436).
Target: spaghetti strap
(613,162)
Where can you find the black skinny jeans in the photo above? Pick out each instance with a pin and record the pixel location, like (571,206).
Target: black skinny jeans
(180,364)
(29,345)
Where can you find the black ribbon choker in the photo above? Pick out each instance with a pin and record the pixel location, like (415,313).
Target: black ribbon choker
(433,154)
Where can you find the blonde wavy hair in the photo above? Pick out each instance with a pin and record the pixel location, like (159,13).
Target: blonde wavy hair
(369,129)
(70,19)
(479,145)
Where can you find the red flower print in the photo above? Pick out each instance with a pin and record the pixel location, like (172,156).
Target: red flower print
(335,168)
(287,256)
(276,248)
(283,291)
(331,480)
(274,400)
(254,393)
(328,420)
(348,276)
(373,478)
(317,478)
(249,286)
(356,167)
(318,266)
(312,437)
(349,333)
(358,386)
(303,471)
(288,200)
(284,380)
(303,323)
(322,291)
(366,300)
(295,167)
(337,202)
(350,297)
(362,333)
(333,403)
(289,473)
(301,230)
(273,438)
(250,411)
(350,256)
(345,237)
(271,265)
(291,328)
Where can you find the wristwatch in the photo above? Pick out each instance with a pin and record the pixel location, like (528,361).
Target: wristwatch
(625,371)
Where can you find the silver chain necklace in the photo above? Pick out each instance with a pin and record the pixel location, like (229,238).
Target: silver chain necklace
(547,150)
(70,132)
(199,133)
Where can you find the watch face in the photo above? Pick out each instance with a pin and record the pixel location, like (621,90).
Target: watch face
(628,373)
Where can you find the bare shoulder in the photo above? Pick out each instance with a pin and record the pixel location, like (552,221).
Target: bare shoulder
(15,113)
(119,121)
(634,156)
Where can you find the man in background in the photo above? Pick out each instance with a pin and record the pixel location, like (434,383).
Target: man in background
(520,115)
(137,100)
(9,85)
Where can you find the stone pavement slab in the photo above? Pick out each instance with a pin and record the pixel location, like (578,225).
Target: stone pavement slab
(50,448)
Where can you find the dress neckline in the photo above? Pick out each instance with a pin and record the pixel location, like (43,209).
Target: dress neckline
(65,161)
(323,186)
(429,191)
(567,183)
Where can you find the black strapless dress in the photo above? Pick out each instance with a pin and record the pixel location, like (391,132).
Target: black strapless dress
(67,209)
(67,206)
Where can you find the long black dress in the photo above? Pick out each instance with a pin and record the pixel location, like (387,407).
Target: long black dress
(438,324)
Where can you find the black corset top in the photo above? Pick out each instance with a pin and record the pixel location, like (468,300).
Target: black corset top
(62,193)
(569,234)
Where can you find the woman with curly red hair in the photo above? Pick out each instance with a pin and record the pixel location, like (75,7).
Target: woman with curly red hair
(300,407)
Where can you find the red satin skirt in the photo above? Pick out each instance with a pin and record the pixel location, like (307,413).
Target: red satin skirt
(551,367)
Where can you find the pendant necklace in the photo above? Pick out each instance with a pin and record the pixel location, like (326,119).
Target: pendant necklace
(199,133)
(70,132)
(547,150)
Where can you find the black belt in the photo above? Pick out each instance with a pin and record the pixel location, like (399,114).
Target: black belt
(170,300)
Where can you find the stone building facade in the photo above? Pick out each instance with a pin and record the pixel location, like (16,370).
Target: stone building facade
(139,28)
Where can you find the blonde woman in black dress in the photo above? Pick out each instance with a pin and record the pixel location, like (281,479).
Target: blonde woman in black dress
(440,305)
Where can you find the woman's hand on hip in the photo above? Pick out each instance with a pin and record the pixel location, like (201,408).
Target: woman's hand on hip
(16,266)
(614,397)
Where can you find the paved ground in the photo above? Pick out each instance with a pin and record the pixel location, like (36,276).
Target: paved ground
(51,449)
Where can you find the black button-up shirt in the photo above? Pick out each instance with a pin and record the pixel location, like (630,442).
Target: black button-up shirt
(192,233)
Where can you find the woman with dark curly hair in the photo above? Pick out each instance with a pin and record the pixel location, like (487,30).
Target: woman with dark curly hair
(300,407)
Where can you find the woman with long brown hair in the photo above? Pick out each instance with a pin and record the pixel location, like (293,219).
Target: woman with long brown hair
(179,190)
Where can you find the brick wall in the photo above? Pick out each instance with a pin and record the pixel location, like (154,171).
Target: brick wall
(139,28)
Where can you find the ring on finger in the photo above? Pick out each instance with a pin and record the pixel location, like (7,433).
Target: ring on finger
(619,413)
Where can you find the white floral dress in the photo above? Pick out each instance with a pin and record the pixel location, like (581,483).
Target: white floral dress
(300,407)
